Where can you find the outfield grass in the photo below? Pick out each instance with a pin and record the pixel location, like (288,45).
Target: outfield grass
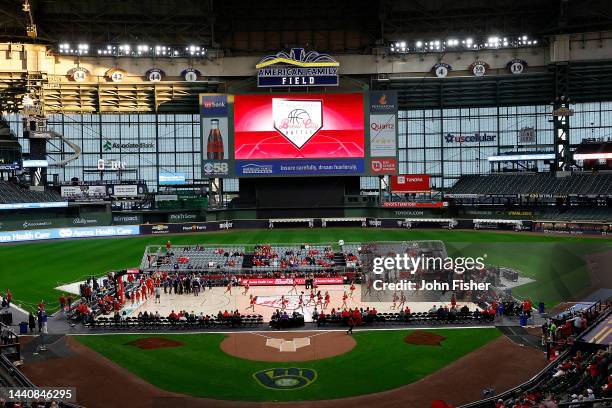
(380,361)
(32,270)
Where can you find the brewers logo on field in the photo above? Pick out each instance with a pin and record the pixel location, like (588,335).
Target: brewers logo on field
(285,378)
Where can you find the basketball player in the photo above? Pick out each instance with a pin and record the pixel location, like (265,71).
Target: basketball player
(368,287)
(229,288)
(326,303)
(352,288)
(283,302)
(319,299)
(395,299)
(312,297)
(301,302)
(294,286)
(344,297)
(252,300)
(402,301)
(246,287)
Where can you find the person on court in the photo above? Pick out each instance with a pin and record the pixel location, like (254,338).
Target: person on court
(319,299)
(344,297)
(252,301)
(312,297)
(229,288)
(246,287)
(402,301)
(294,286)
(352,288)
(326,302)
(395,299)
(301,302)
(284,302)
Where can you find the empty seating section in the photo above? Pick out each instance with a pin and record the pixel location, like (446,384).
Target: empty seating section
(534,183)
(200,258)
(13,193)
(260,259)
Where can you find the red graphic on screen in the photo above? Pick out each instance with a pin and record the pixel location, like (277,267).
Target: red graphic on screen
(296,126)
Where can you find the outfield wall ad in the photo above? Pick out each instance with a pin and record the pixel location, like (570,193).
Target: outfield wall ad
(199,227)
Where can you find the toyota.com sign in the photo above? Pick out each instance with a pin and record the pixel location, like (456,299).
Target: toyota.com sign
(410,183)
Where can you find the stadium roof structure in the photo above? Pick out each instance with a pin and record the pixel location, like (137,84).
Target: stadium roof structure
(253,27)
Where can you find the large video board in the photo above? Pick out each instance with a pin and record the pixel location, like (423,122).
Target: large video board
(302,134)
(299,134)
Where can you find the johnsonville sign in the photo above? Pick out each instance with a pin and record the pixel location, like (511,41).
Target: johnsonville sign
(297,68)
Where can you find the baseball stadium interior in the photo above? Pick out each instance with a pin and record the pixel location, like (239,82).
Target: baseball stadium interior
(384,203)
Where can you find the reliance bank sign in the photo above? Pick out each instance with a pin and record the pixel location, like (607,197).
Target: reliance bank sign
(297,68)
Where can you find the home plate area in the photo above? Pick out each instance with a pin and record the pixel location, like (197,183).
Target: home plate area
(287,346)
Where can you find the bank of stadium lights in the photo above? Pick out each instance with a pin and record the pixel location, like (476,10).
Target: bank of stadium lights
(139,50)
(79,49)
(455,44)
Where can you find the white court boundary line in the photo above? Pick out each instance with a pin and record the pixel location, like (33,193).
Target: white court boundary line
(178,332)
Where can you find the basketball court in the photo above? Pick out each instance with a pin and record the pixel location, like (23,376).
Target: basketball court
(210,302)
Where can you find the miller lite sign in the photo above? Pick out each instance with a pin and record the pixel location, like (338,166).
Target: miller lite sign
(297,68)
(297,120)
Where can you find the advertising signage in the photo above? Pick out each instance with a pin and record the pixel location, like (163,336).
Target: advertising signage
(383,102)
(297,68)
(410,183)
(215,138)
(257,168)
(299,134)
(382,129)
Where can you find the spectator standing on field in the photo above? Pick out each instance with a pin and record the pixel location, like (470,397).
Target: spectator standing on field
(351,324)
(62,302)
(8,297)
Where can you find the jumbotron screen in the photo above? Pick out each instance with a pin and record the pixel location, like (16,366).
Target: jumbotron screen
(303,126)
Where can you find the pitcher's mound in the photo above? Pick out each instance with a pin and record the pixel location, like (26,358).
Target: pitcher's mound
(423,338)
(150,343)
(290,346)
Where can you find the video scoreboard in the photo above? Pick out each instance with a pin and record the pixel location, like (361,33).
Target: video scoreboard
(299,134)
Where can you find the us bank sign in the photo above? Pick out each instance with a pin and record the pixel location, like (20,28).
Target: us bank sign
(297,68)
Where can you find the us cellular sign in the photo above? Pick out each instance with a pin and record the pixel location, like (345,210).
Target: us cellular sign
(297,68)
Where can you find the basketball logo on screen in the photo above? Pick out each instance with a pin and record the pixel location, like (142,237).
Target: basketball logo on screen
(297,120)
